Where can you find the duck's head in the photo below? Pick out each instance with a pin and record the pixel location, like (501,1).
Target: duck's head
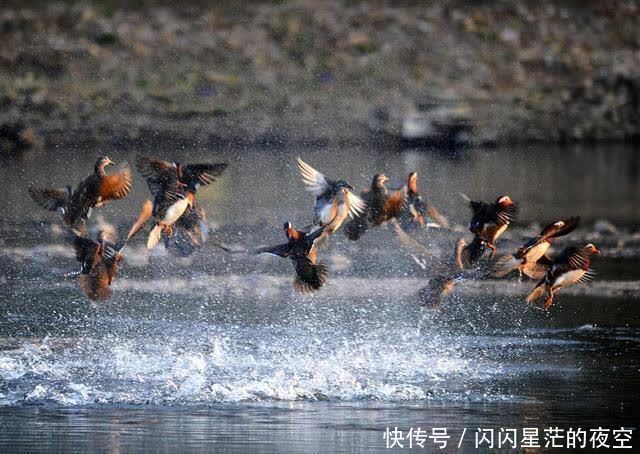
(290,231)
(343,187)
(591,249)
(102,162)
(504,201)
(379,179)
(413,182)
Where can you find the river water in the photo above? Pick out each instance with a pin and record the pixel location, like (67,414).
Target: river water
(216,350)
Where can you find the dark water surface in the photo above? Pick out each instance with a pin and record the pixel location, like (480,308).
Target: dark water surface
(217,352)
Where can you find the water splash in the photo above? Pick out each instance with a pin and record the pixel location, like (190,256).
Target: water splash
(199,363)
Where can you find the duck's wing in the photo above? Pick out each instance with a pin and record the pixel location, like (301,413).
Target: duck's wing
(164,198)
(357,206)
(588,276)
(560,228)
(502,215)
(203,174)
(156,170)
(461,244)
(112,257)
(355,227)
(538,269)
(478,214)
(145,214)
(315,182)
(281,250)
(573,258)
(313,236)
(115,185)
(50,198)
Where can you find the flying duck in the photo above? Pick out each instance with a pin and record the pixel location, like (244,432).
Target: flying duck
(99,264)
(335,201)
(95,190)
(381,206)
(418,210)
(572,266)
(490,220)
(531,259)
(301,249)
(173,186)
(169,203)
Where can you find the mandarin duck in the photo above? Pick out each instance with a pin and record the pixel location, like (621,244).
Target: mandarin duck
(99,264)
(301,249)
(335,201)
(418,210)
(571,267)
(490,220)
(381,206)
(531,259)
(95,190)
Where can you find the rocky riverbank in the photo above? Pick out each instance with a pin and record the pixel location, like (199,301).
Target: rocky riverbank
(296,72)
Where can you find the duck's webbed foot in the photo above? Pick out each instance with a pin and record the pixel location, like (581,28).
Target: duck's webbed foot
(168,230)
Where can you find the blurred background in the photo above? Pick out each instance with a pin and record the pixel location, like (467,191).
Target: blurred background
(208,73)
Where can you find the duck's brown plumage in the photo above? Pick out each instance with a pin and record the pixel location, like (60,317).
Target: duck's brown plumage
(419,209)
(100,262)
(95,190)
(572,266)
(382,205)
(531,259)
(490,220)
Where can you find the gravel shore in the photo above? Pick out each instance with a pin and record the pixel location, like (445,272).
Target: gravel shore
(295,72)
